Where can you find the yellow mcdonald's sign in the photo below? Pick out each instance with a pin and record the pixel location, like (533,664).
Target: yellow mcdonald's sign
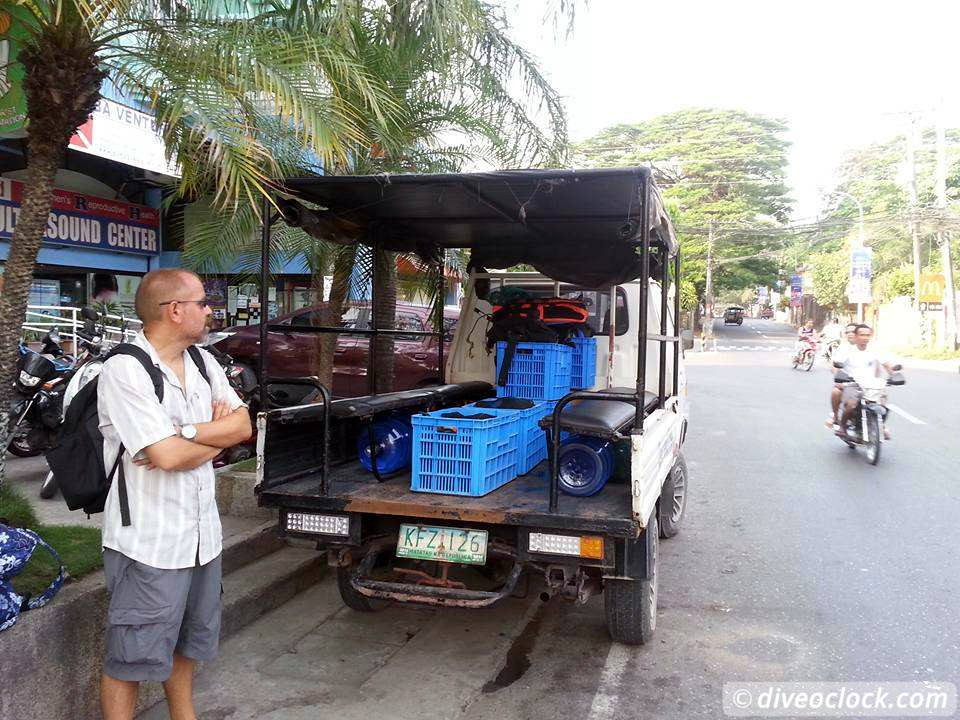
(931,288)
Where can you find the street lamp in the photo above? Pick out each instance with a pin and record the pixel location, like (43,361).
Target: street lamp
(861,239)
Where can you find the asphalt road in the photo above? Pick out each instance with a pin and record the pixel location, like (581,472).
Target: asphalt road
(797,562)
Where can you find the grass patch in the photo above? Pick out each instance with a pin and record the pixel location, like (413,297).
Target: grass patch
(15,510)
(928,353)
(248,465)
(78,546)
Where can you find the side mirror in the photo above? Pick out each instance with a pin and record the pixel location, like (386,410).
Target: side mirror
(88,313)
(896,378)
(897,368)
(838,365)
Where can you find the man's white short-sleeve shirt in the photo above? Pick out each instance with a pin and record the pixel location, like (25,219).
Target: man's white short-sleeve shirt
(173,514)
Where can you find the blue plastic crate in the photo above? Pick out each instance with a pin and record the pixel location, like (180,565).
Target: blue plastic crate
(463,456)
(583,367)
(534,440)
(531,441)
(539,371)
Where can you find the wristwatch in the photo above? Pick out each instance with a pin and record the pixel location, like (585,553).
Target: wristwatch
(188,432)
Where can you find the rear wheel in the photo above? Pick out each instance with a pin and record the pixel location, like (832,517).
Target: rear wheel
(351,598)
(631,605)
(673,500)
(21,447)
(873,445)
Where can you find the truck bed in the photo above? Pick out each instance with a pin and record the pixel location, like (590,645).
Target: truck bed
(521,502)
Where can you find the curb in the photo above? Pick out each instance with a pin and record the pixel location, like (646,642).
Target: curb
(59,648)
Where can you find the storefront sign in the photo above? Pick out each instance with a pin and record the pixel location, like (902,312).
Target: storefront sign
(87,221)
(13,103)
(932,287)
(861,272)
(121,133)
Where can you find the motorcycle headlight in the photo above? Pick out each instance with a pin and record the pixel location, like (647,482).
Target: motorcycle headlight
(28,380)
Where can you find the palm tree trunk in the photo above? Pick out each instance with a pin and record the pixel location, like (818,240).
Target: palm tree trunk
(385,316)
(317,270)
(333,313)
(61,82)
(18,271)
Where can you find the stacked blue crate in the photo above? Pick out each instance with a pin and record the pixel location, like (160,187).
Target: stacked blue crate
(538,371)
(583,368)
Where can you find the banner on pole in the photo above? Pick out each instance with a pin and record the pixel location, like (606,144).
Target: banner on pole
(861,273)
(796,290)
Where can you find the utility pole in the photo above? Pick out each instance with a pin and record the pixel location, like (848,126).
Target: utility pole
(708,320)
(912,190)
(943,237)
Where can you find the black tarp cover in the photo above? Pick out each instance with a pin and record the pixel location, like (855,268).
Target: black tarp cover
(576,226)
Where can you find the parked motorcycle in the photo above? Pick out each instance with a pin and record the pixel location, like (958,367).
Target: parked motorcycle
(35,410)
(805,355)
(865,428)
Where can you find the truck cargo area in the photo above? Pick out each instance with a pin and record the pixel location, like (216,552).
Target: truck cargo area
(522,502)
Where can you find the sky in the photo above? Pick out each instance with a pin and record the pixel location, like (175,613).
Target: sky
(842,74)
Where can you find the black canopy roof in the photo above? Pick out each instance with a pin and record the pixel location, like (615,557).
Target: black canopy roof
(579,226)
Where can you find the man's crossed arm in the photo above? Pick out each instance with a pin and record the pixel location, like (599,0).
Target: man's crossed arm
(225,430)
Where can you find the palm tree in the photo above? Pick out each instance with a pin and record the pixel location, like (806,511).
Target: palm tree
(224,82)
(461,90)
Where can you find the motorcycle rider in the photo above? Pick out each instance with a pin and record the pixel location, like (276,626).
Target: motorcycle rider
(807,334)
(831,332)
(860,363)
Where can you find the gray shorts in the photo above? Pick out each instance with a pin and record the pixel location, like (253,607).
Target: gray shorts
(154,613)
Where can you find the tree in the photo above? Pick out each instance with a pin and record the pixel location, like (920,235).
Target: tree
(449,69)
(223,80)
(830,273)
(876,176)
(721,166)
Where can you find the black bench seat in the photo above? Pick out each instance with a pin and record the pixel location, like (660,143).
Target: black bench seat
(368,406)
(603,418)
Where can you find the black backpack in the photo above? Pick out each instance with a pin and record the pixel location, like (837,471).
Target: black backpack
(76,457)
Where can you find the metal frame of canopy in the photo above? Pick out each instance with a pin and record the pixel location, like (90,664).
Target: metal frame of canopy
(643,228)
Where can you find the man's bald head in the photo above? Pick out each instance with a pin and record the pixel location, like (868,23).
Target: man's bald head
(162,286)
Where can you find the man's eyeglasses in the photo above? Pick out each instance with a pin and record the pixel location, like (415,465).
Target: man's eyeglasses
(200,303)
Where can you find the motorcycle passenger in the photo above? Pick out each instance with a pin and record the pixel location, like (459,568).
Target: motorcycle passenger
(861,364)
(839,356)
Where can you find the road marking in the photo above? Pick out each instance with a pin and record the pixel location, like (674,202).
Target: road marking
(905,414)
(755,348)
(604,703)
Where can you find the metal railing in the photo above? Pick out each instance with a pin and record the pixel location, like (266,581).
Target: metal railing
(44,318)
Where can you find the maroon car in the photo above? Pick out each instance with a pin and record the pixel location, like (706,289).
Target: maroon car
(294,354)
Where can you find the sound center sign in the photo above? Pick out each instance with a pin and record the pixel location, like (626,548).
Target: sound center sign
(79,220)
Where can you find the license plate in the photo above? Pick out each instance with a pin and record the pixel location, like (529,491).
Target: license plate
(452,545)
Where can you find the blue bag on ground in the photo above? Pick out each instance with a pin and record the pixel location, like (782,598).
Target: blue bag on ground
(16,548)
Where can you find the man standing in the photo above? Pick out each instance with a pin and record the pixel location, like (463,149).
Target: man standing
(163,569)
